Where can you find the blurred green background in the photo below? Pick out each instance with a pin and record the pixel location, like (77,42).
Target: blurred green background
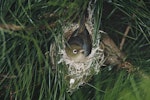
(26,71)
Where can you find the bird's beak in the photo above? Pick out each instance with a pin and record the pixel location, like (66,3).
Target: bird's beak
(82,51)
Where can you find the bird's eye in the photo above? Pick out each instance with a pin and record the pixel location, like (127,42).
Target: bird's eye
(74,51)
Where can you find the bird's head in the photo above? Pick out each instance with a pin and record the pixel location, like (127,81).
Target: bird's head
(75,52)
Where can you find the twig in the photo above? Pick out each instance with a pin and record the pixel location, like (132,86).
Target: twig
(8,76)
(12,27)
(11,95)
(124,37)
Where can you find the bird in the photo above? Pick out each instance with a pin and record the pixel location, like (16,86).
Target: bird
(79,45)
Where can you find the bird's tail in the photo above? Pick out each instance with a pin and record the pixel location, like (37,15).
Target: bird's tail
(83,17)
(82,24)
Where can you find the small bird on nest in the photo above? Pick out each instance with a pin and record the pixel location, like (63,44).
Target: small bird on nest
(79,45)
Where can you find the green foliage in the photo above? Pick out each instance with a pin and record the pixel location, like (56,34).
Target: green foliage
(26,70)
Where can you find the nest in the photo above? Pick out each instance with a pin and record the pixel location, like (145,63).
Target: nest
(79,73)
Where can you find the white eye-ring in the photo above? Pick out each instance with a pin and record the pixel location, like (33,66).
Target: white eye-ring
(74,51)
